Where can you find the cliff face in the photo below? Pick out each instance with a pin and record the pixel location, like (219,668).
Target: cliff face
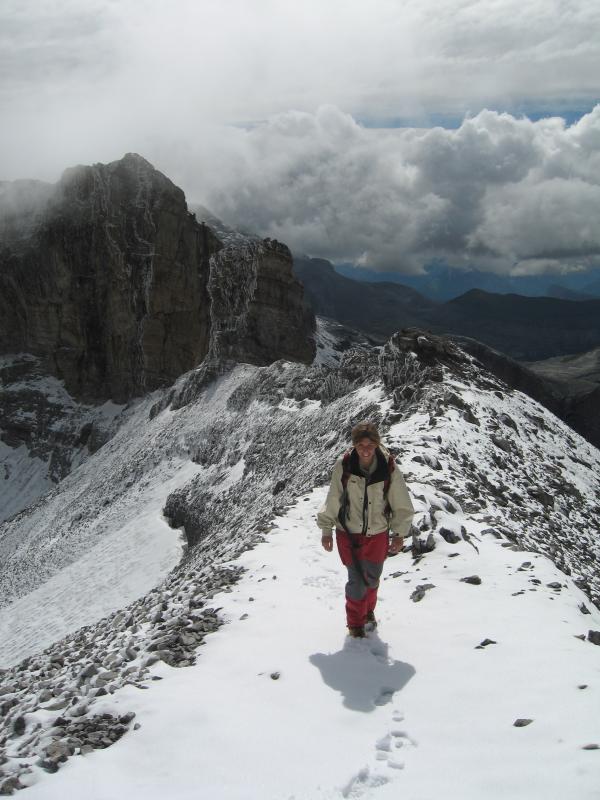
(115,286)
(258,313)
(106,281)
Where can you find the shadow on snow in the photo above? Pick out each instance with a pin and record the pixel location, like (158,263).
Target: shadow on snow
(363,673)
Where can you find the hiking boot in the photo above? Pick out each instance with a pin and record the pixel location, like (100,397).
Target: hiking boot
(371,622)
(356,631)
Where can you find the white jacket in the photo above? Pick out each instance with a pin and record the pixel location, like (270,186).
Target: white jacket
(367,509)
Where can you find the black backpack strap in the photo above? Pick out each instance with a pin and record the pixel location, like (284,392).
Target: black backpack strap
(345,477)
(391,466)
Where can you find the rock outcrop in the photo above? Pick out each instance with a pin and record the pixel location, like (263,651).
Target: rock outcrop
(115,286)
(258,314)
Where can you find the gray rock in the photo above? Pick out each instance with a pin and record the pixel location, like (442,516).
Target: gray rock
(59,751)
(594,637)
(475,580)
(522,723)
(89,671)
(421,546)
(591,747)
(419,592)
(10,785)
(449,536)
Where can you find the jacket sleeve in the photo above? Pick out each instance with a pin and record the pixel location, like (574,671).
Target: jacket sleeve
(400,503)
(328,513)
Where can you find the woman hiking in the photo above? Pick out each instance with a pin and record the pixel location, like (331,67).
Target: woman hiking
(369,507)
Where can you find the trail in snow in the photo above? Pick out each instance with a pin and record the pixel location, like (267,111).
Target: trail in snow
(282,705)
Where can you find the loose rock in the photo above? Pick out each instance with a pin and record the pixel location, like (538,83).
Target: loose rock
(475,580)
(419,592)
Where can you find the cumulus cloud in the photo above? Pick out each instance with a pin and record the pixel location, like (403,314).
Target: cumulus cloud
(499,192)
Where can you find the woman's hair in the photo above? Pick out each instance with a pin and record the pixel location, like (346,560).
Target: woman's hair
(365,430)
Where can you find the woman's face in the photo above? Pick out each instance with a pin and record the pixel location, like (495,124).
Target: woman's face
(366,450)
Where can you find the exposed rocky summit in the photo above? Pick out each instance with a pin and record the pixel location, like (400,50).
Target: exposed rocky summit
(111,282)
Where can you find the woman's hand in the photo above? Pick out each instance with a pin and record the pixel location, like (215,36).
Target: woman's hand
(327,542)
(396,545)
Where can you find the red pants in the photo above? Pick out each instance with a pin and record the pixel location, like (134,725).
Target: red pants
(364,572)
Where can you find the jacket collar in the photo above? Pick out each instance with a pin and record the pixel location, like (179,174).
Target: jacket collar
(381,471)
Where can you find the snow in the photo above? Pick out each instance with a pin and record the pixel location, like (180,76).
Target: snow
(413,711)
(134,557)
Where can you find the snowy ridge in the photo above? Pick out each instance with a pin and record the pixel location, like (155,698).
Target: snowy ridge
(478,459)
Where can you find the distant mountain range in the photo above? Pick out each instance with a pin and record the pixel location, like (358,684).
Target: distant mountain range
(442,283)
(526,328)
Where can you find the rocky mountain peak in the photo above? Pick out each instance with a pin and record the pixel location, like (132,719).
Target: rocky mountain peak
(105,278)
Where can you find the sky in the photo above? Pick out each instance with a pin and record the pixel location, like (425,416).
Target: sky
(385,134)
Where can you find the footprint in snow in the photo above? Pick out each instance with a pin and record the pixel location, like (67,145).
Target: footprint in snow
(384,744)
(391,742)
(401,738)
(364,780)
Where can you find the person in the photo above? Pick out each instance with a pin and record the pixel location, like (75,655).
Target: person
(369,506)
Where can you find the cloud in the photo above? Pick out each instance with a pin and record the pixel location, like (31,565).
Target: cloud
(273,114)
(90,81)
(501,193)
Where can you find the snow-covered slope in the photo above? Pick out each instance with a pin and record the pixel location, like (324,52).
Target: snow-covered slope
(44,432)
(502,490)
